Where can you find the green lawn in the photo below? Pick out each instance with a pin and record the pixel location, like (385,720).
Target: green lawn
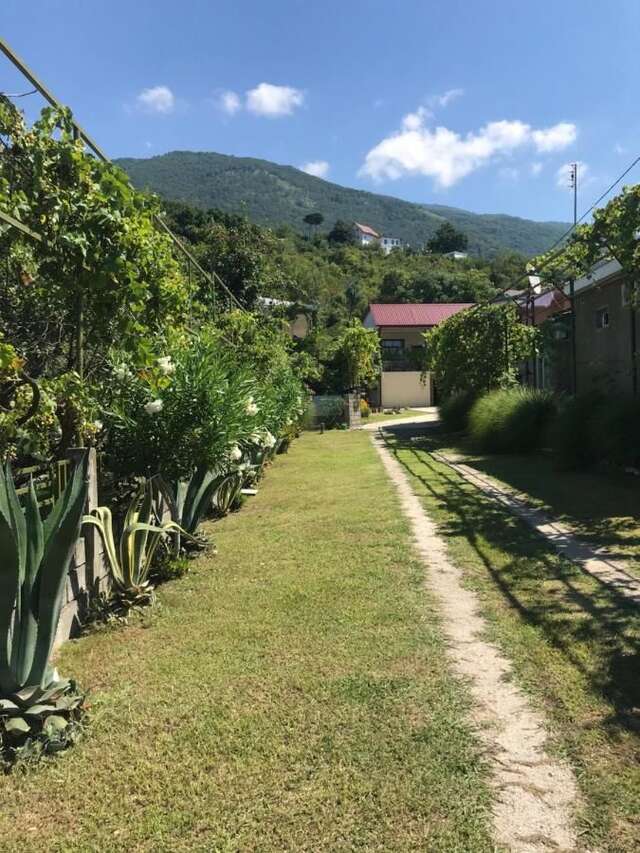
(380,416)
(604,508)
(291,694)
(575,644)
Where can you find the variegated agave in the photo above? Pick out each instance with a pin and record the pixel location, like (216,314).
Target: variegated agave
(131,559)
(39,711)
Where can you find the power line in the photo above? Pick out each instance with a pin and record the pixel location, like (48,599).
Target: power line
(18,94)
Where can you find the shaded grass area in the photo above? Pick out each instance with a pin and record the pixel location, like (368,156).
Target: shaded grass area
(604,508)
(292,693)
(574,643)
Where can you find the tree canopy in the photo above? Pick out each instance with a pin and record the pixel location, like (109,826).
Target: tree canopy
(447,239)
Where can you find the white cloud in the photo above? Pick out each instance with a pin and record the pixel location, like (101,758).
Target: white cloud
(619,149)
(273,101)
(158,99)
(562,175)
(447,156)
(318,168)
(447,97)
(555,138)
(229,102)
(536,168)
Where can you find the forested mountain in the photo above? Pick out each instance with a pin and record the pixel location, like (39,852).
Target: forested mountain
(271,194)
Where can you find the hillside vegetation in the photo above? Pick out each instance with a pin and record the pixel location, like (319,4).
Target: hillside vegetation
(275,195)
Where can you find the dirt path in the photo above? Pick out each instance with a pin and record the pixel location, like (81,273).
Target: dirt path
(535,794)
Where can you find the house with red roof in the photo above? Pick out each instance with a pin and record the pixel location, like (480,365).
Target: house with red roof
(401,327)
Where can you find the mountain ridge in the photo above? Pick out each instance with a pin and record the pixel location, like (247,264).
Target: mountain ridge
(272,194)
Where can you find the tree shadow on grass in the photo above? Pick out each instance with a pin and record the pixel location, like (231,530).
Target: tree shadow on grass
(597,632)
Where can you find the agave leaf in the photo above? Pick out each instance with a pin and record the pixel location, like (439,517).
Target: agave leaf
(102,519)
(26,625)
(55,724)
(7,706)
(13,551)
(58,550)
(39,710)
(17,726)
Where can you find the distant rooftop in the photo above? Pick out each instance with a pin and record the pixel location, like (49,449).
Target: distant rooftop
(366,229)
(420,314)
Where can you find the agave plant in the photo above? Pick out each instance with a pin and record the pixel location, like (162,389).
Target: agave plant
(131,560)
(229,490)
(37,707)
(190,500)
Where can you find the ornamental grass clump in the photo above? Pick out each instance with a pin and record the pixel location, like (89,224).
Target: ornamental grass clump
(40,712)
(515,420)
(454,412)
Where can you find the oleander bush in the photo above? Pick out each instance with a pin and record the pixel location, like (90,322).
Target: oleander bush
(514,420)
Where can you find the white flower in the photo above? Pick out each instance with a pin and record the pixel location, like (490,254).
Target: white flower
(165,365)
(256,437)
(235,453)
(153,407)
(252,408)
(122,372)
(98,425)
(269,440)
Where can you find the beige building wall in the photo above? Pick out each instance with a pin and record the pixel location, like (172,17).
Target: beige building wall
(404,388)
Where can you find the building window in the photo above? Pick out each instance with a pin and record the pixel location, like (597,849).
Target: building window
(602,318)
(392,344)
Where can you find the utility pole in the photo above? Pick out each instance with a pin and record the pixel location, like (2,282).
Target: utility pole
(573,184)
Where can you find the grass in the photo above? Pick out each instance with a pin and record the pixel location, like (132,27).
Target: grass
(575,644)
(603,507)
(291,694)
(380,416)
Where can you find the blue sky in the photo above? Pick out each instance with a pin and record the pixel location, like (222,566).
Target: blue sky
(471,103)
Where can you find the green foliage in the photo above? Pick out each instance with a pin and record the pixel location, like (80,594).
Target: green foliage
(479,349)
(365,410)
(593,429)
(38,709)
(447,239)
(274,196)
(356,362)
(342,233)
(99,249)
(454,412)
(612,234)
(513,420)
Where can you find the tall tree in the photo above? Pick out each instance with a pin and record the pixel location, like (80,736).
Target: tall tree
(342,232)
(447,239)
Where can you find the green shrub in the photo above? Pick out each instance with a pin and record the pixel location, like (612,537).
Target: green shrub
(592,429)
(511,421)
(454,412)
(573,433)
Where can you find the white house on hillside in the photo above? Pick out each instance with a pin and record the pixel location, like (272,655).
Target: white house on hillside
(367,236)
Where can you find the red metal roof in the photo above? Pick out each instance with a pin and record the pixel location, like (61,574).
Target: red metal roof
(406,314)
(366,229)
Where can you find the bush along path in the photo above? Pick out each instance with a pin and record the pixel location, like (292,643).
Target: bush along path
(535,793)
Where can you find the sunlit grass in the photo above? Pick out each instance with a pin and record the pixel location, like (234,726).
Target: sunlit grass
(291,694)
